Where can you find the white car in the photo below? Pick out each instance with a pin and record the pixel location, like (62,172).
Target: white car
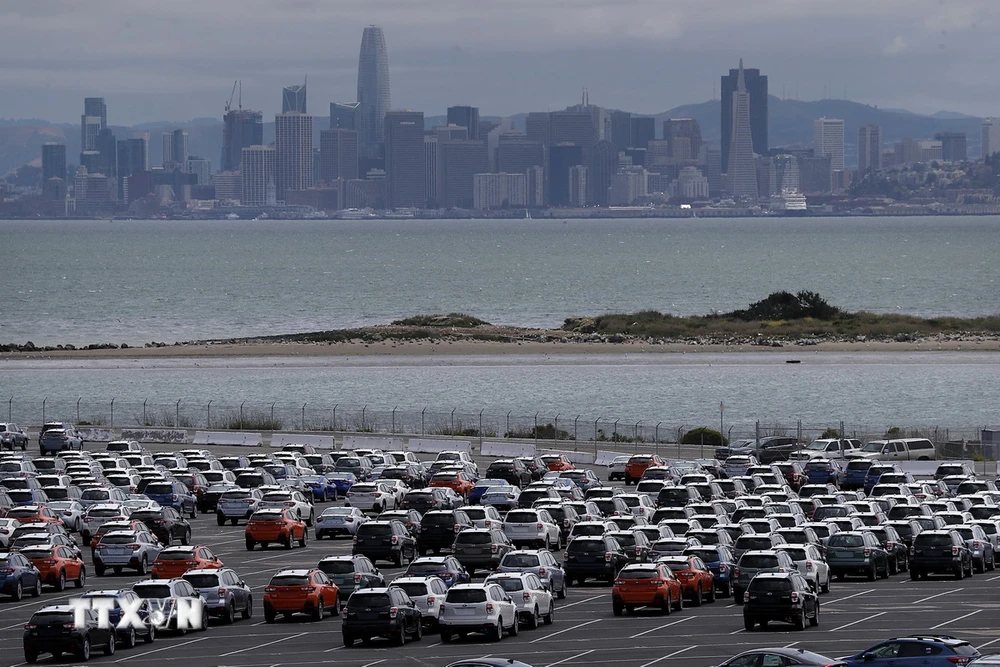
(639,504)
(477,608)
(427,593)
(810,563)
(7,527)
(484,516)
(829,448)
(462,457)
(532,597)
(532,527)
(97,515)
(616,469)
(339,520)
(290,500)
(71,513)
(373,497)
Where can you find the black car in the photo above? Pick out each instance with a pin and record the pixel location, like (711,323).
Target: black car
(424,500)
(351,573)
(381,612)
(385,540)
(410,519)
(166,524)
(127,637)
(212,495)
(407,473)
(512,471)
(940,551)
(438,529)
(907,529)
(535,466)
(594,557)
(780,596)
(895,546)
(481,548)
(53,630)
(857,552)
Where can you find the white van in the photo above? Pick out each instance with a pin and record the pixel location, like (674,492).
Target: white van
(900,449)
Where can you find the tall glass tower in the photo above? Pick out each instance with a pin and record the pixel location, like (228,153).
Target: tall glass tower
(373,92)
(742,167)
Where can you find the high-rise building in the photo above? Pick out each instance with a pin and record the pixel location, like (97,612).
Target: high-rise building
(259,176)
(561,158)
(491,191)
(467,117)
(293,134)
(907,151)
(828,139)
(201,168)
(93,120)
(628,185)
(53,161)
(990,136)
(742,170)
(536,186)
(404,159)
(293,99)
(373,92)
(133,158)
(713,171)
(621,129)
(643,131)
(815,174)
(573,127)
(175,149)
(755,86)
(516,153)
(338,155)
(459,161)
(538,128)
(343,115)
(683,137)
(578,185)
(690,184)
(241,129)
(228,185)
(603,166)
(107,149)
(869,148)
(953,146)
(431,170)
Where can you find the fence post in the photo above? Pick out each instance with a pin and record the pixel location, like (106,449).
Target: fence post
(304,418)
(78,409)
(112,412)
(798,431)
(656,438)
(506,431)
(272,414)
(241,414)
(144,411)
(841,428)
(394,418)
(334,425)
(453,420)
(10,409)
(363,411)
(422,421)
(43,408)
(177,419)
(536,429)
(614,436)
(703,444)
(481,429)
(756,431)
(574,427)
(596,422)
(635,436)
(210,414)
(555,429)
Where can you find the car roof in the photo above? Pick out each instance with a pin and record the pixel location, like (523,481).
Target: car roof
(294,573)
(430,559)
(206,571)
(179,548)
(775,575)
(414,580)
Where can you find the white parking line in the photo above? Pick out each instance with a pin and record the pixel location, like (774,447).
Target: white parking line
(992,641)
(165,648)
(572,657)
(955,620)
(861,620)
(569,629)
(259,646)
(826,602)
(937,596)
(573,604)
(646,632)
(790,645)
(993,578)
(669,655)
(374,663)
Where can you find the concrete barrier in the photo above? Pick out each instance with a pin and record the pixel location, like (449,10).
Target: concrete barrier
(352,442)
(603,458)
(166,435)
(92,434)
(232,438)
(435,446)
(317,441)
(575,457)
(505,449)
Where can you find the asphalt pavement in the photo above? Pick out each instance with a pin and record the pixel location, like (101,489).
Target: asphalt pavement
(854,615)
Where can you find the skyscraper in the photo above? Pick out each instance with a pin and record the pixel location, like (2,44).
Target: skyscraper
(467,117)
(621,129)
(538,127)
(53,161)
(561,158)
(175,149)
(343,115)
(742,168)
(869,148)
(953,146)
(516,153)
(373,92)
(603,166)
(459,161)
(990,136)
(404,159)
(683,136)
(258,175)
(643,131)
(293,135)
(338,155)
(241,129)
(93,120)
(756,86)
(133,158)
(293,98)
(828,139)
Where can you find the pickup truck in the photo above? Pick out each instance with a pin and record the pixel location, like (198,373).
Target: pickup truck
(766,450)
(828,448)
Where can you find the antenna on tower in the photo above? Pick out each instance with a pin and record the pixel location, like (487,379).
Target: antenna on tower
(241,94)
(229,104)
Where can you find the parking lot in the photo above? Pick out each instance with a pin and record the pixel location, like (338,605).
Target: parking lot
(854,615)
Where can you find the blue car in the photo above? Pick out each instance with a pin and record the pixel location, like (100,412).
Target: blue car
(173,494)
(343,481)
(322,488)
(823,471)
(28,496)
(19,576)
(854,474)
(721,561)
(924,651)
(481,487)
(876,470)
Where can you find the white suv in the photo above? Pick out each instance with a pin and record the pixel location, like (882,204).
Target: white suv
(532,597)
(810,564)
(427,592)
(291,500)
(482,608)
(532,527)
(372,497)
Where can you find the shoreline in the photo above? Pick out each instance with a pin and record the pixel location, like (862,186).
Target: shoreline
(451,348)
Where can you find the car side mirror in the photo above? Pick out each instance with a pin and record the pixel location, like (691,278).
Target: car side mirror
(867,656)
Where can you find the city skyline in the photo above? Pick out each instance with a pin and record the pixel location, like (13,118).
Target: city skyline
(597,48)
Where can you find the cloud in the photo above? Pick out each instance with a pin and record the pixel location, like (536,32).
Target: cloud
(896,46)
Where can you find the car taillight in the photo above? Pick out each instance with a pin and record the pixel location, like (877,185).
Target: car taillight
(566,522)
(607,556)
(809,565)
(289,503)
(795,596)
(161,522)
(890,545)
(958,659)
(355,540)
(430,600)
(248,501)
(977,544)
(954,550)
(393,611)
(223,591)
(565,557)
(394,539)
(136,547)
(868,552)
(638,551)
(494,548)
(307,589)
(526,596)
(489,607)
(189,562)
(269,589)
(49,561)
(746,597)
(723,567)
(912,551)
(736,571)
(30,626)
(174,497)
(458,528)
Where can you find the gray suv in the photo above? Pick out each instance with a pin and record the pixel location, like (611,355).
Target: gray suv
(224,592)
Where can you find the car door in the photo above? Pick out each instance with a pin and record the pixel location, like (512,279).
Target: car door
(883,655)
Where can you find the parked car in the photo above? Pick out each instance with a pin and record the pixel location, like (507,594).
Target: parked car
(305,591)
(940,551)
(428,594)
(166,524)
(485,608)
(922,650)
(336,521)
(646,585)
(593,557)
(385,540)
(780,596)
(857,553)
(616,469)
(12,436)
(224,592)
(126,636)
(54,629)
(57,437)
(275,525)
(381,612)
(164,594)
(447,568)
(811,564)
(438,529)
(512,471)
(173,494)
(238,503)
(173,562)
(542,563)
(903,449)
(351,573)
(120,549)
(697,580)
(532,527)
(753,563)
(534,601)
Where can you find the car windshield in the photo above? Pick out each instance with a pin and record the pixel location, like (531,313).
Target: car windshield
(103,511)
(753,542)
(796,554)
(95,494)
(466,596)
(52,618)
(202,580)
(337,566)
(586,546)
(176,555)
(376,529)
(469,537)
(841,540)
(758,561)
(925,540)
(159,489)
(818,445)
(520,560)
(414,589)
(369,601)
(153,591)
(875,447)
(121,539)
(426,567)
(638,574)
(707,555)
(769,585)
(289,580)
(521,516)
(509,584)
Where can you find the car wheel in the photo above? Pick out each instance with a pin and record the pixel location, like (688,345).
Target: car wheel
(728,590)
(711,593)
(142,566)
(418,633)
(825,588)
(31,657)
(270,615)
(309,521)
(220,519)
(872,573)
(562,590)
(18,592)
(348,639)
(894,565)
(533,621)
(186,540)
(697,599)
(81,581)
(992,565)
(550,617)
(515,628)
(250,544)
(800,621)
(981,566)
(397,559)
(886,573)
(233,522)
(305,538)
(445,636)
(814,621)
(617,608)
(496,634)
(319,612)
(130,640)
(116,569)
(748,624)
(248,608)
(914,575)
(668,605)
(960,572)
(194,511)
(230,615)
(61,581)
(36,592)
(151,635)
(83,653)
(99,569)
(288,541)
(399,639)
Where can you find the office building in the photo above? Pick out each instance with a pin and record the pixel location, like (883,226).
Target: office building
(690,185)
(683,137)
(293,133)
(499,191)
(990,136)
(603,166)
(643,131)
(259,176)
(373,92)
(467,117)
(713,171)
(578,185)
(869,148)
(228,185)
(621,129)
(907,151)
(459,161)
(93,120)
(53,161)
(561,158)
(94,193)
(92,161)
(404,159)
(293,99)
(133,158)
(200,168)
(175,149)
(107,150)
(338,155)
(815,174)
(343,115)
(930,150)
(538,128)
(755,86)
(953,146)
(516,153)
(828,139)
(241,128)
(742,171)
(786,174)
(575,127)
(628,185)
(536,186)
(431,170)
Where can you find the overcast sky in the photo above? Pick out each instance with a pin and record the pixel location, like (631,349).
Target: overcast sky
(177,59)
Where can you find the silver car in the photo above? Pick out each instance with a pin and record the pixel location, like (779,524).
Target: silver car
(237,504)
(477,608)
(124,548)
(339,521)
(532,597)
(71,513)
(224,591)
(539,562)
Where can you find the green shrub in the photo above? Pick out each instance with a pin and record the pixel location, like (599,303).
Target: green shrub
(830,433)
(704,435)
